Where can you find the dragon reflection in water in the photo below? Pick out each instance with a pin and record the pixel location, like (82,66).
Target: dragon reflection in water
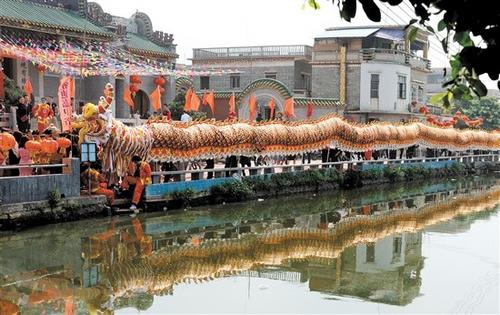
(131,271)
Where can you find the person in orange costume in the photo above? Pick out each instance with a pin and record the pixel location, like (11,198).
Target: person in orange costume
(43,114)
(98,185)
(138,174)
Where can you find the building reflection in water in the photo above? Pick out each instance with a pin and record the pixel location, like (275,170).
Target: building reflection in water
(373,253)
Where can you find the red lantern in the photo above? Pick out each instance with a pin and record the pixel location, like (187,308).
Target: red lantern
(160,81)
(64,143)
(33,146)
(49,146)
(7,141)
(135,79)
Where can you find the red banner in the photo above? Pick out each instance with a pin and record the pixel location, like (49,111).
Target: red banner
(65,107)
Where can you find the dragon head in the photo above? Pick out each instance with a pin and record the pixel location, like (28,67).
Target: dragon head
(90,111)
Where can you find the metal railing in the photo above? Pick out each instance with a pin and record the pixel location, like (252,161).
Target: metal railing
(197,174)
(32,166)
(253,51)
(395,55)
(5,120)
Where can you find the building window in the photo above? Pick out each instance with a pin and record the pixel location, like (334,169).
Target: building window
(370,252)
(305,81)
(271,75)
(204,83)
(420,94)
(397,245)
(234,81)
(374,85)
(401,87)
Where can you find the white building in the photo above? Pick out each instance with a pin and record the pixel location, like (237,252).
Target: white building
(377,71)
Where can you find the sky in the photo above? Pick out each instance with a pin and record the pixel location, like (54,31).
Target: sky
(220,23)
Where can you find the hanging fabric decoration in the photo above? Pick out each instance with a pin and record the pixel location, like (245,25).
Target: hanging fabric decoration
(204,98)
(309,110)
(28,89)
(211,101)
(272,106)
(133,88)
(232,106)
(156,98)
(252,108)
(65,106)
(288,108)
(127,96)
(187,100)
(195,102)
(157,92)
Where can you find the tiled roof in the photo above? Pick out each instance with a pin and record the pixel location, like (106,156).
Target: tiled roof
(318,102)
(222,94)
(183,82)
(142,44)
(46,16)
(266,83)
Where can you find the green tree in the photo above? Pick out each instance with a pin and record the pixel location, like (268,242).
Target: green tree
(177,108)
(486,107)
(460,20)
(12,92)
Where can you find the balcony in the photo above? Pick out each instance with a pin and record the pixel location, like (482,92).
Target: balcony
(372,54)
(253,51)
(396,56)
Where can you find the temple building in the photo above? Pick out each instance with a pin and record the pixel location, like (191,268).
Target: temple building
(280,72)
(377,71)
(54,25)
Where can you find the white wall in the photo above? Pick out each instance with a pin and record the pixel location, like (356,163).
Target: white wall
(384,260)
(388,87)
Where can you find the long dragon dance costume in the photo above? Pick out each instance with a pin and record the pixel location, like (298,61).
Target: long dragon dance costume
(178,141)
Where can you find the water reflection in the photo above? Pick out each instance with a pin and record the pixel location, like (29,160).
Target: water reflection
(373,253)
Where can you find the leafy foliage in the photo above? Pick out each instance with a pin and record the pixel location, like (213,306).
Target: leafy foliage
(185,196)
(12,92)
(54,198)
(232,191)
(461,20)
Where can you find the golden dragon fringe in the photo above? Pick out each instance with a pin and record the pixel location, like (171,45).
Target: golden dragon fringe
(177,141)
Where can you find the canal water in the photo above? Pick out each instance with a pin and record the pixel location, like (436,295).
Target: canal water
(411,248)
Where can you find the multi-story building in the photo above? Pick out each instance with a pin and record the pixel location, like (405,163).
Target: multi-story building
(288,64)
(266,72)
(82,25)
(376,70)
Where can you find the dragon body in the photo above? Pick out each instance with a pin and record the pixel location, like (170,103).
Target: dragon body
(177,141)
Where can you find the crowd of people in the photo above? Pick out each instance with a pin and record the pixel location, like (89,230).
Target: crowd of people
(132,185)
(40,121)
(31,127)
